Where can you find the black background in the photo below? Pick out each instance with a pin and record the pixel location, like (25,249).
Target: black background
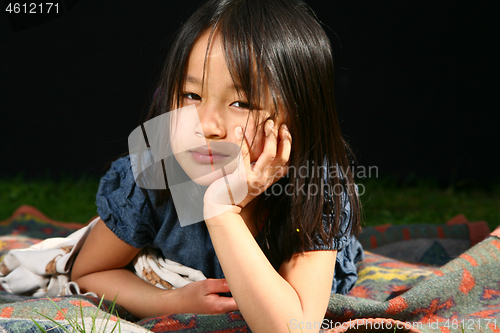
(414,88)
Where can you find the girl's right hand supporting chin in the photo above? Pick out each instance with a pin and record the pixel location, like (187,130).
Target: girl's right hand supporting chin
(234,191)
(203,297)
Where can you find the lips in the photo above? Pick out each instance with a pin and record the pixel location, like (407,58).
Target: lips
(206,155)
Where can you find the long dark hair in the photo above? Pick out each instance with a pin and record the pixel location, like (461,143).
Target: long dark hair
(279,44)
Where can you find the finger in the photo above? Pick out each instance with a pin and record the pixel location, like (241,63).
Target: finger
(279,167)
(215,286)
(270,145)
(226,304)
(244,148)
(284,147)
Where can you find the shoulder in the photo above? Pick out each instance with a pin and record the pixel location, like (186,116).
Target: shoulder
(118,187)
(119,175)
(124,207)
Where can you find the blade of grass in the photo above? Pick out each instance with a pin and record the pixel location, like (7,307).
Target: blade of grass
(96,312)
(38,325)
(52,320)
(74,323)
(117,323)
(111,313)
(81,315)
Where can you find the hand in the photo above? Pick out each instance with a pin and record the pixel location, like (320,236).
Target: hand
(249,180)
(202,297)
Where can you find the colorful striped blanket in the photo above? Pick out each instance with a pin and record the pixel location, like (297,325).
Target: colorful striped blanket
(452,284)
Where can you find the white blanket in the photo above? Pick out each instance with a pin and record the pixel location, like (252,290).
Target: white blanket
(44,269)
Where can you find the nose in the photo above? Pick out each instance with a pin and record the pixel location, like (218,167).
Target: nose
(211,120)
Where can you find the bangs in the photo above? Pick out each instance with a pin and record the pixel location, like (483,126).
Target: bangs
(244,59)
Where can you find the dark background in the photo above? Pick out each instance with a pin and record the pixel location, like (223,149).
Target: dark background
(414,84)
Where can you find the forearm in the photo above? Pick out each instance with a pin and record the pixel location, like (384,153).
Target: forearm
(267,301)
(139,297)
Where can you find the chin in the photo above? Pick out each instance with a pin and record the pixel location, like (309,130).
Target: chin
(207,179)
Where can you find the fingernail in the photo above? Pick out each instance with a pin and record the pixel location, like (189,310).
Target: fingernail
(239,131)
(286,128)
(269,127)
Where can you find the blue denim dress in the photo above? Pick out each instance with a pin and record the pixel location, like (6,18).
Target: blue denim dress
(135,219)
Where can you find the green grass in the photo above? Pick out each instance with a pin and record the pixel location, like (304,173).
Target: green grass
(384,200)
(68,199)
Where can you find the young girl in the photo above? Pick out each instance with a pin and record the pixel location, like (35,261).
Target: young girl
(260,75)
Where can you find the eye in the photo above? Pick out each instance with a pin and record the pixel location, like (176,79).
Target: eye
(191,96)
(241,105)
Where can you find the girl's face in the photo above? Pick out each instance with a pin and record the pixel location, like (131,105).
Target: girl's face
(203,139)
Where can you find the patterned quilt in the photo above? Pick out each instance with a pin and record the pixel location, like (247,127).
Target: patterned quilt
(449,281)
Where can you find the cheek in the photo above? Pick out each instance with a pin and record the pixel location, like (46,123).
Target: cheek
(176,141)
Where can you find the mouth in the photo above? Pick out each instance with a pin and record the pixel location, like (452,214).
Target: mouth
(207,155)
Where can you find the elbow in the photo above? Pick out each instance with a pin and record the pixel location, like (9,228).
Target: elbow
(76,271)
(74,276)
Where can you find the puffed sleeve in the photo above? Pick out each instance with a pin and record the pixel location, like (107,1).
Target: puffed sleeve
(343,238)
(344,235)
(123,207)
(349,249)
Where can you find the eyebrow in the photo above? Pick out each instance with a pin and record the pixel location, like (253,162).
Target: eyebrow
(192,79)
(195,80)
